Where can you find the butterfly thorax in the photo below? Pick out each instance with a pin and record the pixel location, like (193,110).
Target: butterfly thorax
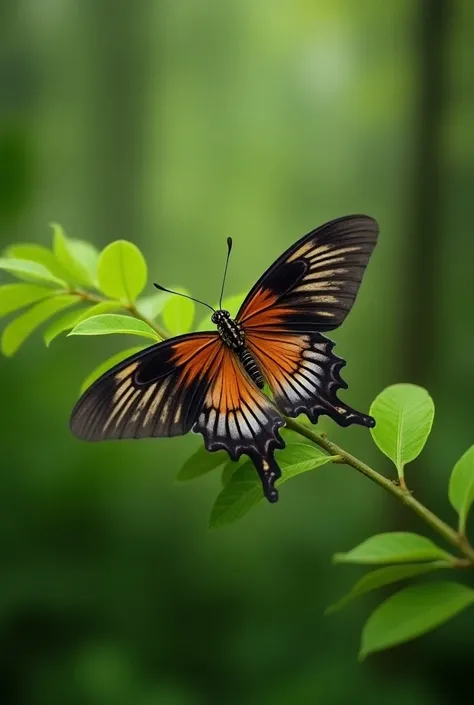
(234,337)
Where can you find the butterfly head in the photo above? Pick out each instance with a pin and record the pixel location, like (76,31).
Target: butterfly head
(218,317)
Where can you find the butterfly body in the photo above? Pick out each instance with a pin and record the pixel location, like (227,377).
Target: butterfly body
(211,382)
(233,336)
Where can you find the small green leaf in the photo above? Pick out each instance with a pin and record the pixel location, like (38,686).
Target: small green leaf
(151,306)
(385,576)
(15,296)
(109,323)
(178,314)
(87,255)
(65,255)
(22,327)
(200,463)
(229,469)
(412,612)
(107,365)
(122,271)
(97,309)
(244,490)
(393,547)
(404,414)
(59,325)
(41,255)
(30,271)
(461,486)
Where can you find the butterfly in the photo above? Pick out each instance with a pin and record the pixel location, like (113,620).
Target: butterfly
(211,382)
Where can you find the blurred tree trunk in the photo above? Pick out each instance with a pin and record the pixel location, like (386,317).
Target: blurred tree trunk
(121,36)
(425,228)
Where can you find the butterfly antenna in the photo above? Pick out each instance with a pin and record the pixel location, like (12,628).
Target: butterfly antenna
(229,248)
(178,293)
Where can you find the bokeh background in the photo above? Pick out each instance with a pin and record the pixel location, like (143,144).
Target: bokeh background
(175,123)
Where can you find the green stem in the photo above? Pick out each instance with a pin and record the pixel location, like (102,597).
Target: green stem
(405,496)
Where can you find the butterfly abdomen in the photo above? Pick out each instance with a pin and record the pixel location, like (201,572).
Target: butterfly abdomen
(251,367)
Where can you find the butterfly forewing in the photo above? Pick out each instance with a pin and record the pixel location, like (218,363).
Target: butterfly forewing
(156,392)
(313,285)
(309,289)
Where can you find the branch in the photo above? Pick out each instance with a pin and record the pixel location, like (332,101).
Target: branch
(404,495)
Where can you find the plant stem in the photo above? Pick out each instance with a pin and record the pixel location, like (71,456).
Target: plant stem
(403,495)
(401,492)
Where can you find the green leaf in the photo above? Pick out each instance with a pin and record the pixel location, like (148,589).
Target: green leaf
(87,255)
(122,271)
(30,271)
(15,296)
(412,612)
(404,414)
(109,323)
(178,314)
(151,306)
(229,469)
(461,486)
(393,547)
(200,463)
(107,365)
(59,325)
(244,489)
(22,327)
(97,309)
(385,576)
(64,254)
(41,255)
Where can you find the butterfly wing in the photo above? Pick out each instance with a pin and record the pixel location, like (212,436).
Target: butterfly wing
(236,417)
(313,285)
(156,392)
(192,382)
(309,289)
(304,375)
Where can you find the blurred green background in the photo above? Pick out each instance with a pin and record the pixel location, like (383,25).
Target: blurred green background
(175,123)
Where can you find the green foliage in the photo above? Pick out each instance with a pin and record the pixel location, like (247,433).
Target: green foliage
(393,547)
(64,252)
(108,288)
(122,272)
(18,330)
(461,486)
(200,463)
(404,415)
(30,271)
(110,323)
(244,490)
(412,612)
(385,576)
(16,296)
(178,314)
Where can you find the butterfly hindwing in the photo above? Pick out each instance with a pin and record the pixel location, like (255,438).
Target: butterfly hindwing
(304,375)
(313,285)
(237,417)
(156,392)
